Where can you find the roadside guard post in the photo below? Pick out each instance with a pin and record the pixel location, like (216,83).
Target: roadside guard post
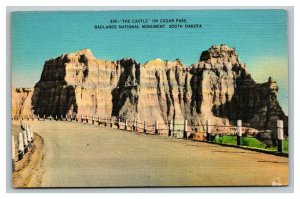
(145,127)
(25,141)
(239,132)
(119,123)
(185,129)
(13,152)
(208,137)
(280,136)
(170,128)
(135,125)
(126,125)
(20,146)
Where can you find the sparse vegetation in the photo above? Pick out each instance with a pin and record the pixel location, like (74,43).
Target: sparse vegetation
(248,141)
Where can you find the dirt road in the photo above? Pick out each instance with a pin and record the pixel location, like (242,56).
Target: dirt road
(78,155)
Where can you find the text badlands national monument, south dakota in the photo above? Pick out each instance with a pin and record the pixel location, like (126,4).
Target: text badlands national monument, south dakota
(91,122)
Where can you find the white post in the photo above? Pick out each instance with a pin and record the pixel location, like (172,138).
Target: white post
(170,128)
(20,146)
(25,141)
(185,129)
(145,127)
(126,127)
(119,123)
(13,153)
(280,136)
(31,133)
(207,131)
(99,121)
(239,132)
(28,134)
(135,125)
(111,122)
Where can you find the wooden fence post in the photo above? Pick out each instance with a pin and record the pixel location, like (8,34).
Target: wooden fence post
(13,152)
(239,132)
(185,129)
(208,137)
(145,127)
(280,148)
(20,146)
(156,127)
(126,127)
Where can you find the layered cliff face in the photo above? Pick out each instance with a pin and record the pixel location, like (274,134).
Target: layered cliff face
(76,83)
(217,87)
(224,91)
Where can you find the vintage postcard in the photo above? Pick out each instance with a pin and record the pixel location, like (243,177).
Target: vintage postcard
(149,98)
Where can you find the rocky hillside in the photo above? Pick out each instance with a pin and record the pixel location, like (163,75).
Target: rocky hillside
(21,101)
(218,87)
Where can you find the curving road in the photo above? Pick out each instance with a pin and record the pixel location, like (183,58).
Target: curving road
(83,155)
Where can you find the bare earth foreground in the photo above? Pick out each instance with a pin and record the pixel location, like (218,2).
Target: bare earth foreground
(83,155)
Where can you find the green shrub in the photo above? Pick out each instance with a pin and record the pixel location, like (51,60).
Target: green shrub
(252,142)
(227,139)
(248,141)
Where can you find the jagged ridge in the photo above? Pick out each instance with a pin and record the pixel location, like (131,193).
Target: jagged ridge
(218,87)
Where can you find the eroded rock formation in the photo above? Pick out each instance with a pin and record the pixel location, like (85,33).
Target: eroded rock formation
(21,102)
(218,87)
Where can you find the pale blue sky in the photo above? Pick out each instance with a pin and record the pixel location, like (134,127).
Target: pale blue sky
(259,36)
